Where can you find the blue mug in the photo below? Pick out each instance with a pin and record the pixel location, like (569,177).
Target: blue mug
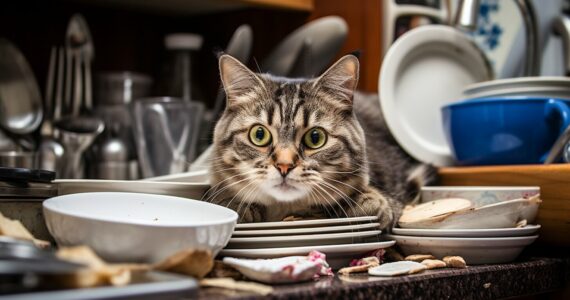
(506,130)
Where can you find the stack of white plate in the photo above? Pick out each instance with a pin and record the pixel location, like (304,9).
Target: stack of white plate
(476,246)
(340,239)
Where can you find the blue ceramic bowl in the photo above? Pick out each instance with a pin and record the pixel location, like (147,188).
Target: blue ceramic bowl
(493,131)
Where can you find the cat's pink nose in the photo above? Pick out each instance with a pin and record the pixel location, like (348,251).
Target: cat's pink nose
(284,169)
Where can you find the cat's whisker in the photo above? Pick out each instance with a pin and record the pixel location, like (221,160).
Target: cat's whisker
(214,187)
(225,188)
(327,203)
(240,190)
(347,198)
(333,199)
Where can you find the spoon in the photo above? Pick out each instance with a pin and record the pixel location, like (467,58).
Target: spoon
(76,135)
(20,100)
(78,40)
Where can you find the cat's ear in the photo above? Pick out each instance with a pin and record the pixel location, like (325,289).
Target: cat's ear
(340,79)
(237,79)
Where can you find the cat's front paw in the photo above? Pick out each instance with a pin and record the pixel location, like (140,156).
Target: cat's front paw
(253,214)
(373,203)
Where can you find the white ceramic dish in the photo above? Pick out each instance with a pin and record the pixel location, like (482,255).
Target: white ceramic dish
(544,86)
(504,214)
(200,177)
(134,227)
(306,223)
(426,68)
(338,256)
(178,189)
(475,251)
(466,233)
(479,195)
(302,240)
(309,230)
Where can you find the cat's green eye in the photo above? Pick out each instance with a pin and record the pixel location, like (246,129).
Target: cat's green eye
(259,136)
(315,138)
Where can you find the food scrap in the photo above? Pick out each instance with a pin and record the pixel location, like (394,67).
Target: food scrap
(455,262)
(419,257)
(15,229)
(434,263)
(230,283)
(361,266)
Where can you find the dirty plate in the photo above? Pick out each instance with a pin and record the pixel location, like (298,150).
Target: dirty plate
(310,230)
(475,251)
(497,232)
(307,223)
(302,240)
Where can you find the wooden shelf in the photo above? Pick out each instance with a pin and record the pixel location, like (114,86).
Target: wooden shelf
(554,182)
(203,6)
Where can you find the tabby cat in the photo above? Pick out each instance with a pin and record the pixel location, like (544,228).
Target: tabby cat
(307,147)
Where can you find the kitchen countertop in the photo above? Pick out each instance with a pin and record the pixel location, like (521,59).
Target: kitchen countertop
(527,277)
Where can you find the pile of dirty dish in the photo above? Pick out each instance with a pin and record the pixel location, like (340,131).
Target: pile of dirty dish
(483,225)
(340,239)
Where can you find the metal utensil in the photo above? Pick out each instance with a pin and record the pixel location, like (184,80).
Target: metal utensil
(557,149)
(50,150)
(76,134)
(78,41)
(20,100)
(562,27)
(18,159)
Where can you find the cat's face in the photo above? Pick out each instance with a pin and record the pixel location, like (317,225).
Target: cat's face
(288,140)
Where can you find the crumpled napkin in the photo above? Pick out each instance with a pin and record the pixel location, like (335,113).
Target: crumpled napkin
(282,270)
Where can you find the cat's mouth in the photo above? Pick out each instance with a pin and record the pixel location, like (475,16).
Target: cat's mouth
(284,186)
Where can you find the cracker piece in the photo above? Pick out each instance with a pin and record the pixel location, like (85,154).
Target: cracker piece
(419,257)
(229,283)
(455,262)
(434,263)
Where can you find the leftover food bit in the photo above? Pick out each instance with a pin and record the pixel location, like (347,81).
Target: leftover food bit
(362,266)
(284,269)
(192,262)
(96,272)
(221,270)
(15,229)
(397,268)
(229,283)
(455,262)
(521,223)
(434,264)
(419,257)
(434,208)
(292,218)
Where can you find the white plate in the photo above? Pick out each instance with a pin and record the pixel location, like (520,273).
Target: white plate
(135,227)
(306,223)
(475,251)
(338,256)
(496,232)
(309,230)
(302,240)
(426,68)
(546,86)
(179,189)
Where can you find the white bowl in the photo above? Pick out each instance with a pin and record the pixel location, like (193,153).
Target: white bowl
(479,195)
(475,251)
(135,227)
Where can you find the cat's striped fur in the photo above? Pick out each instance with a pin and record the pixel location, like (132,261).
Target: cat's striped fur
(286,177)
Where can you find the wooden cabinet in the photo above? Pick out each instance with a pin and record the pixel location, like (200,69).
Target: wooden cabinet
(554,182)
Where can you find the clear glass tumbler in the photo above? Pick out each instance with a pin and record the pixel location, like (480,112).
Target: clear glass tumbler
(166,134)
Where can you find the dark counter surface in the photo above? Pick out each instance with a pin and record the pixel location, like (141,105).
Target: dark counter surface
(526,277)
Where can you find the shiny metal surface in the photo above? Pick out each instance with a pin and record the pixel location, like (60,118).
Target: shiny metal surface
(18,159)
(562,27)
(468,12)
(76,134)
(20,100)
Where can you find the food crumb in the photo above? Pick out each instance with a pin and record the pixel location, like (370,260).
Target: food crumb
(155,219)
(487,285)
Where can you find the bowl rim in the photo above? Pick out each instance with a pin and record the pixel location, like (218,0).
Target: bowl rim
(101,218)
(514,100)
(478,188)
